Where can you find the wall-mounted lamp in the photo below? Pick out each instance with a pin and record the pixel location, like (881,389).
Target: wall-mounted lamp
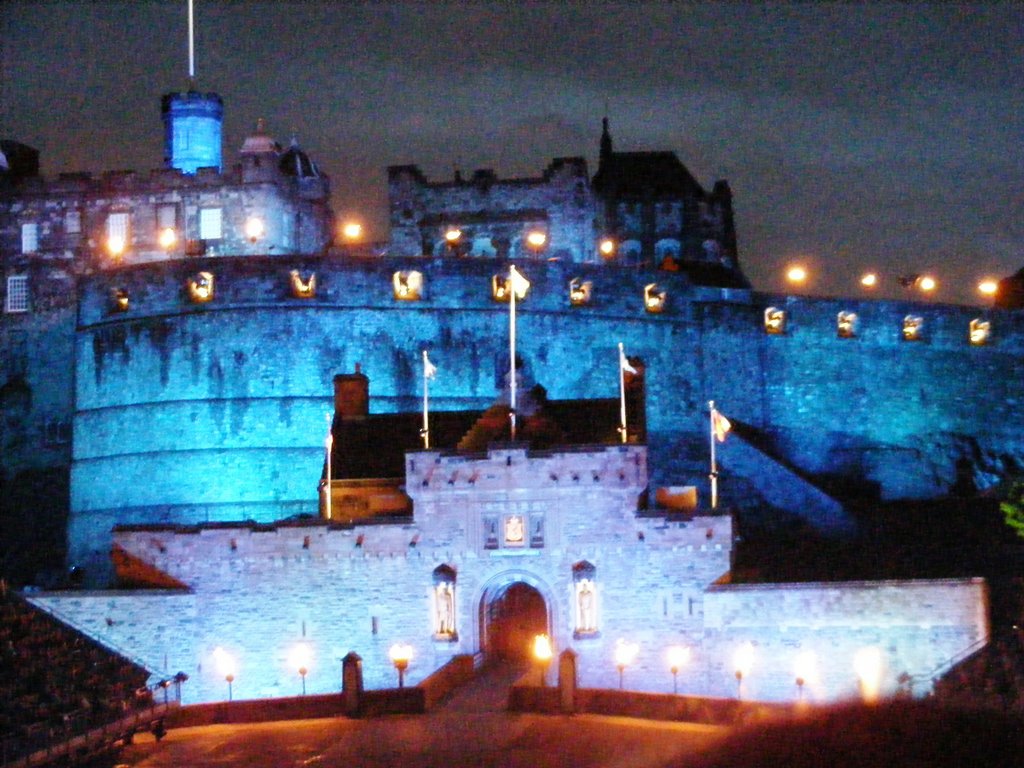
(654,298)
(254,229)
(302,288)
(200,287)
(579,292)
(408,286)
(775,321)
(167,238)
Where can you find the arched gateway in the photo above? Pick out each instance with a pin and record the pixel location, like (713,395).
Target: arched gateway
(513,610)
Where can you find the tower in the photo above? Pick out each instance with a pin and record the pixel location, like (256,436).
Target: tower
(192,130)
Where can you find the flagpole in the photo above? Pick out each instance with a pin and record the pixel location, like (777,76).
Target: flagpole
(329,446)
(714,468)
(512,347)
(622,393)
(426,423)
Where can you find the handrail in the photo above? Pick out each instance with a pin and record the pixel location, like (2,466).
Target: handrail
(951,662)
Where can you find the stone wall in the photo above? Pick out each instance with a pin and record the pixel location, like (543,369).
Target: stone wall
(822,633)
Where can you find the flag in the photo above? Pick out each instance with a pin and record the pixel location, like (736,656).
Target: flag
(719,425)
(624,363)
(518,283)
(429,369)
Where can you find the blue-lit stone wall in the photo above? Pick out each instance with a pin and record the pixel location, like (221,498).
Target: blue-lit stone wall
(211,412)
(192,130)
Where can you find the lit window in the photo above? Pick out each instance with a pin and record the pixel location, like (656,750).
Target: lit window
(200,287)
(846,325)
(980,331)
(119,300)
(775,320)
(303,288)
(16,299)
(444,604)
(585,593)
(73,223)
(29,237)
(912,328)
(407,286)
(654,298)
(211,222)
(579,292)
(117,232)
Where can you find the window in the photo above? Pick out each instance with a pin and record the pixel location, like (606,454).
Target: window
(210,223)
(29,237)
(117,232)
(73,223)
(846,325)
(166,216)
(16,299)
(774,321)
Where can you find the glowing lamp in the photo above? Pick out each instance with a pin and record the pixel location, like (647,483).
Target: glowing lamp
(796,275)
(115,245)
(400,654)
(352,230)
(299,659)
(119,300)
(988,287)
(912,328)
(654,298)
(225,666)
(979,333)
(167,238)
(542,652)
(869,280)
(846,325)
(805,668)
(254,228)
(453,235)
(868,665)
(678,657)
(742,662)
(927,284)
(606,247)
(625,654)
(579,292)
(536,240)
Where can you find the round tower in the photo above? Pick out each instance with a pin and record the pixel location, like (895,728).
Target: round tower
(192,130)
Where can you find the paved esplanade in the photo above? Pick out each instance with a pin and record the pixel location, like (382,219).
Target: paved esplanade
(469,730)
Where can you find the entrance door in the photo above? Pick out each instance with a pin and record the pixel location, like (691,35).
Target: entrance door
(514,616)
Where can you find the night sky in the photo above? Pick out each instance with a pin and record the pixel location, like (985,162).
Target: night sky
(853,136)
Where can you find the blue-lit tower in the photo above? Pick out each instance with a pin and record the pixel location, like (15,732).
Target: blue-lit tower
(192,130)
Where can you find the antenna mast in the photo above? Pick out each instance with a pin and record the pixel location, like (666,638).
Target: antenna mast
(191,45)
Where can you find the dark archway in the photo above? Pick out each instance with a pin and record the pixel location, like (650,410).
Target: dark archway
(511,620)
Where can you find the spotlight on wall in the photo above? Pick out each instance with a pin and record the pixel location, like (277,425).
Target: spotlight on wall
(579,292)
(805,668)
(407,286)
(743,661)
(869,666)
(300,661)
(625,654)
(119,300)
(115,246)
(225,667)
(979,332)
(678,657)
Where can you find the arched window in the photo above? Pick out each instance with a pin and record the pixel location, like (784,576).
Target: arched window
(774,320)
(585,603)
(444,603)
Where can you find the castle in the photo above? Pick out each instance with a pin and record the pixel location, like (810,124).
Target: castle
(169,345)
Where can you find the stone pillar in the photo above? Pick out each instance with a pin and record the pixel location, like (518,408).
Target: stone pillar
(567,681)
(352,682)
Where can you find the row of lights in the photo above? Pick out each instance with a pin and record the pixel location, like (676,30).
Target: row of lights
(167,238)
(798,275)
(979,331)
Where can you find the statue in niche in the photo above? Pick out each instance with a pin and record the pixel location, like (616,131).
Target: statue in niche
(585,601)
(444,600)
(491,540)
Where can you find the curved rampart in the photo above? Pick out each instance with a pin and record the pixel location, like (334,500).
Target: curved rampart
(216,411)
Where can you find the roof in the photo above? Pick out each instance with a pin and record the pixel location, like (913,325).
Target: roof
(642,174)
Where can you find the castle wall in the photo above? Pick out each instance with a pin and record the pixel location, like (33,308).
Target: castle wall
(918,628)
(216,411)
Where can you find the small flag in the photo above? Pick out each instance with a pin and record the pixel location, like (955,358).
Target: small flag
(719,425)
(624,363)
(429,369)
(519,284)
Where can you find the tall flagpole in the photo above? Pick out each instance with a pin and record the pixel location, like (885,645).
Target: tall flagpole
(329,446)
(512,347)
(714,468)
(426,422)
(191,46)
(622,393)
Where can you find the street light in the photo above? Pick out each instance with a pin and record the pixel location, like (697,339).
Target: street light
(254,228)
(226,667)
(168,238)
(869,280)
(352,230)
(543,652)
(805,669)
(678,656)
(625,654)
(988,287)
(927,283)
(453,235)
(742,662)
(115,245)
(606,247)
(400,654)
(300,659)
(796,274)
(536,240)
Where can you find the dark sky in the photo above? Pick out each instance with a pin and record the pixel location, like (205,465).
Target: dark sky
(853,136)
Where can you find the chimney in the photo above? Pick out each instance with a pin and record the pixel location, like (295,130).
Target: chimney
(351,395)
